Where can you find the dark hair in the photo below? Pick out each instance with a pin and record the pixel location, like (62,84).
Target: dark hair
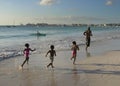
(88,28)
(26,45)
(74,42)
(52,46)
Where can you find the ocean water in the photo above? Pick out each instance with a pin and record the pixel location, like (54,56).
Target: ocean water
(12,39)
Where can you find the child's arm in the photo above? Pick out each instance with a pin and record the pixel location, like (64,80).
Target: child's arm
(33,49)
(55,53)
(78,47)
(47,53)
(24,51)
(84,33)
(72,47)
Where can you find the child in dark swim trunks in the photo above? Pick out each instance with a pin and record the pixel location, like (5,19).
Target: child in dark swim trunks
(52,54)
(26,53)
(74,51)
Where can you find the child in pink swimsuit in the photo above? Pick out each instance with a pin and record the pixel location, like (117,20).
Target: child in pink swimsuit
(26,53)
(74,51)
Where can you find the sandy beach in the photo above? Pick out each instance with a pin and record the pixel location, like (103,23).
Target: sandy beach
(37,30)
(100,66)
(101,70)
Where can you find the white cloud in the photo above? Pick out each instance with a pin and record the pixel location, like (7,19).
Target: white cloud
(47,2)
(109,2)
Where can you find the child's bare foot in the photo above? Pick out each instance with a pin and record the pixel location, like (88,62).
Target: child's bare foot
(47,66)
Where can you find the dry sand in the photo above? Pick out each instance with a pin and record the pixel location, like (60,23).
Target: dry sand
(93,71)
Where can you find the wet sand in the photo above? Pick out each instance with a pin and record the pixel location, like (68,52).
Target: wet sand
(101,70)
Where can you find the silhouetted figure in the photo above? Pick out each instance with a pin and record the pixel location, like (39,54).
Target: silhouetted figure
(88,34)
(26,53)
(74,51)
(52,53)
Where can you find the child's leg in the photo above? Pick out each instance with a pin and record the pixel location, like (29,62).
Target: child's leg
(71,58)
(52,62)
(27,60)
(73,55)
(49,64)
(52,65)
(74,60)
(24,62)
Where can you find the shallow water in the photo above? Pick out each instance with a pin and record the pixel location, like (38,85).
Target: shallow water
(12,39)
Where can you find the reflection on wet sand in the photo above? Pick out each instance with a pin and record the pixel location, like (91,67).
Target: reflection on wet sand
(25,77)
(51,79)
(76,77)
(88,54)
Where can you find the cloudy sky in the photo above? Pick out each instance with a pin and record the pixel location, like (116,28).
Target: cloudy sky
(59,11)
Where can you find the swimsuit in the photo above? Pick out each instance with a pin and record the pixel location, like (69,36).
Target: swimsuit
(74,53)
(27,53)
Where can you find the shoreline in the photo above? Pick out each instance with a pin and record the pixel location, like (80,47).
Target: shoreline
(100,66)
(96,49)
(94,71)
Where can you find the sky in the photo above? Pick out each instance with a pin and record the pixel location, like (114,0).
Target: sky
(59,11)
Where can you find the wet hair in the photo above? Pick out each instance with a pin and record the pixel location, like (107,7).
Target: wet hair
(26,45)
(74,42)
(52,47)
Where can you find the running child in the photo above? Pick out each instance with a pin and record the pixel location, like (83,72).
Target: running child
(74,51)
(27,53)
(52,53)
